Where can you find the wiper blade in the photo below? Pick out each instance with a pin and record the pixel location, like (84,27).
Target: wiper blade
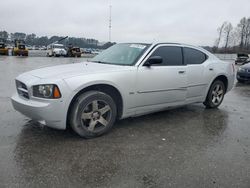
(100,62)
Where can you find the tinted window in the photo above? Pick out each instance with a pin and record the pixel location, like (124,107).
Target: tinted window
(192,56)
(171,55)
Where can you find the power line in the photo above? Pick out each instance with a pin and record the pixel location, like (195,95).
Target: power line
(110,22)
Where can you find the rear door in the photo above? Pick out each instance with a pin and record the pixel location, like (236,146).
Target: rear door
(196,73)
(162,84)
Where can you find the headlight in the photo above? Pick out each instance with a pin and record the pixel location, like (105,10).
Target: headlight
(48,91)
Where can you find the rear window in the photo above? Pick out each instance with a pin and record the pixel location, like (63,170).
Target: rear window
(193,56)
(242,55)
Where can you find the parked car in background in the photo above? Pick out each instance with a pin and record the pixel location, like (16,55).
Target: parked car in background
(35,48)
(243,73)
(242,58)
(43,48)
(95,51)
(87,51)
(56,50)
(29,47)
(123,81)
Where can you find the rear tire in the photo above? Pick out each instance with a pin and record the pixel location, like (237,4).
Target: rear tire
(93,114)
(215,94)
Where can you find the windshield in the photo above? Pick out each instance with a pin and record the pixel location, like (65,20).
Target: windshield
(21,46)
(77,49)
(121,54)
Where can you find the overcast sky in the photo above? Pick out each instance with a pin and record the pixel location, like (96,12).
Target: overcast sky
(186,21)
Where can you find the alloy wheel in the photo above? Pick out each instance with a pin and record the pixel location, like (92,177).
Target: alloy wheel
(96,115)
(217,94)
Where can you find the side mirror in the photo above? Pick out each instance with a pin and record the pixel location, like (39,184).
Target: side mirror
(153,60)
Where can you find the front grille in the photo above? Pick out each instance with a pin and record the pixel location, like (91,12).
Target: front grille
(244,77)
(22,89)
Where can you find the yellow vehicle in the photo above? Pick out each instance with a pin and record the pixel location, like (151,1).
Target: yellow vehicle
(20,49)
(3,49)
(73,51)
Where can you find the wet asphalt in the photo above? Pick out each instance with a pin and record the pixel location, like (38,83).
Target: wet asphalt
(186,147)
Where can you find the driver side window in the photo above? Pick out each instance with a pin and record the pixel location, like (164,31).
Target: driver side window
(171,55)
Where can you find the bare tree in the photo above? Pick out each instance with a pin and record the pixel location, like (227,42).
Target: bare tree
(247,33)
(242,31)
(4,35)
(220,31)
(234,39)
(228,28)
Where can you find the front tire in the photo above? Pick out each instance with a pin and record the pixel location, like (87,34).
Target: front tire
(215,94)
(93,114)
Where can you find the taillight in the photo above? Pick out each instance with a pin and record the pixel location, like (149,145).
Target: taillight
(233,67)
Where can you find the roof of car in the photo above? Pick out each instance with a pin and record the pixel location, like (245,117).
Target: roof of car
(169,43)
(247,65)
(242,54)
(180,44)
(175,43)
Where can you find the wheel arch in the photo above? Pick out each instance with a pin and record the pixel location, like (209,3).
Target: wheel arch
(222,78)
(102,87)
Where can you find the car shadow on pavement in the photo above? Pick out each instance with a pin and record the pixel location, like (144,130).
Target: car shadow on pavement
(213,120)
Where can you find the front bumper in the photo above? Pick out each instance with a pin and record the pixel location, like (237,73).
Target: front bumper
(231,80)
(244,76)
(21,52)
(47,112)
(3,51)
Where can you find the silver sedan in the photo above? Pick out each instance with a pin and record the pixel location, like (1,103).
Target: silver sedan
(123,81)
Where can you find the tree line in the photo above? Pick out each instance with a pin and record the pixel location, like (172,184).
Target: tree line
(33,40)
(233,39)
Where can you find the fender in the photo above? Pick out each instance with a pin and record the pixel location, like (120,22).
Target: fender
(210,83)
(96,82)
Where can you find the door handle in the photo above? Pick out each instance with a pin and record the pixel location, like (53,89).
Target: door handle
(211,69)
(181,72)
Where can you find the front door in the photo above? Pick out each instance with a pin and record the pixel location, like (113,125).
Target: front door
(163,84)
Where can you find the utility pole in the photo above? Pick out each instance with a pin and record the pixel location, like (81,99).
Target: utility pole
(110,22)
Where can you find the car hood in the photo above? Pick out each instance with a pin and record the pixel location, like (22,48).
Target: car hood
(58,50)
(76,69)
(246,66)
